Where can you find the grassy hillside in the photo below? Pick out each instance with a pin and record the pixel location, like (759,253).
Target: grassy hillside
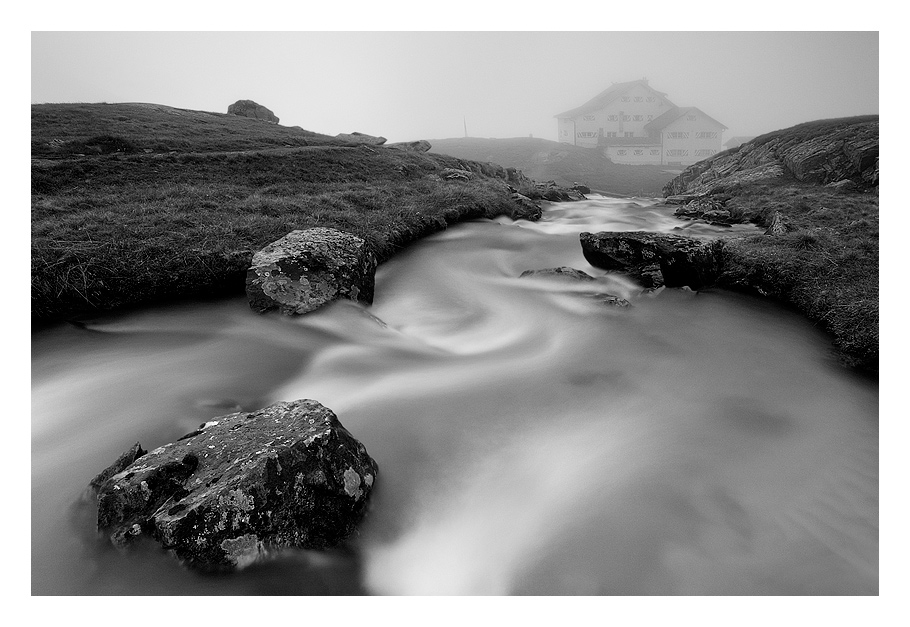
(545,160)
(64,130)
(135,203)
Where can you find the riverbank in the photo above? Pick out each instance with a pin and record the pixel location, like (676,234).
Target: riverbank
(816,184)
(134,204)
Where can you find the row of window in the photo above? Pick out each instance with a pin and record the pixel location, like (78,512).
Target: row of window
(670,153)
(698,135)
(638,98)
(639,152)
(628,118)
(587,134)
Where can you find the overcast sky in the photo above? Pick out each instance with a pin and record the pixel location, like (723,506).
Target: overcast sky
(429,85)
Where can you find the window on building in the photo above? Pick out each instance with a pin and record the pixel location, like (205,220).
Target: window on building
(628,134)
(706,135)
(565,133)
(627,118)
(650,117)
(612,118)
(691,118)
(586,134)
(678,152)
(655,152)
(639,152)
(704,152)
(588,118)
(611,133)
(637,98)
(637,118)
(649,99)
(678,135)
(625,99)
(620,152)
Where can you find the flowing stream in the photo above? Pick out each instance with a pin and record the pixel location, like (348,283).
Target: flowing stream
(530,439)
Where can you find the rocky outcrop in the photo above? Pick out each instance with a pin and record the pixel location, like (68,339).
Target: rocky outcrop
(250,109)
(655,259)
(556,193)
(456,174)
(242,485)
(361,138)
(823,152)
(307,269)
(581,188)
(421,145)
(525,208)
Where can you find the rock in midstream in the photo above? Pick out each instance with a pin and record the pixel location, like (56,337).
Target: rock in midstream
(242,485)
(655,259)
(307,269)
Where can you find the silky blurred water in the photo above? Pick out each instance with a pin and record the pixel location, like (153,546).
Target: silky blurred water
(530,439)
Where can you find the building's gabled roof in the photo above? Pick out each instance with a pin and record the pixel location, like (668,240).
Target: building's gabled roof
(668,117)
(607,96)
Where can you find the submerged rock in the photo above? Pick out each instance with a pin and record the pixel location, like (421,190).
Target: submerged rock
(307,269)
(562,271)
(573,274)
(655,259)
(287,475)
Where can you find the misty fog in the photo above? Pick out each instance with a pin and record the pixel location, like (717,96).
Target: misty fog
(435,85)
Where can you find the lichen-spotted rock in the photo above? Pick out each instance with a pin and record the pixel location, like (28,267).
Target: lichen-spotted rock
(242,485)
(307,269)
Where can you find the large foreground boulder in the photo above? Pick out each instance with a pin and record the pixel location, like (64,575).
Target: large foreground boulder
(307,269)
(250,109)
(655,259)
(288,475)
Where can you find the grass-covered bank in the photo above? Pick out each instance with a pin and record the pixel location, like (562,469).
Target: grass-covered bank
(826,265)
(130,223)
(821,180)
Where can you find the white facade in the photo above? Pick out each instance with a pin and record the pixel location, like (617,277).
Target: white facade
(635,124)
(690,138)
(621,117)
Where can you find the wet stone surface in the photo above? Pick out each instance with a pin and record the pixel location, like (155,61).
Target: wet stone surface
(307,269)
(242,485)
